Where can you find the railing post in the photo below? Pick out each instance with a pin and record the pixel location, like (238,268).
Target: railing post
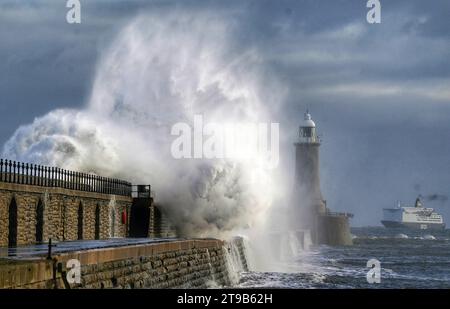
(46,178)
(33,174)
(10,177)
(65,178)
(57,177)
(1,169)
(23,173)
(14,171)
(27,180)
(41,177)
(20,172)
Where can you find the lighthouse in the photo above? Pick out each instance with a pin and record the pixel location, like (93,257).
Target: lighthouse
(307,179)
(309,208)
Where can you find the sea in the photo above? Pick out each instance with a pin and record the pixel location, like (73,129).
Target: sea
(407,259)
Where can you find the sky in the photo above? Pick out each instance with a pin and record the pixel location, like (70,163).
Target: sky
(379,93)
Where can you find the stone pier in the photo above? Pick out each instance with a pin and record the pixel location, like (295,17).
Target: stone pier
(196,263)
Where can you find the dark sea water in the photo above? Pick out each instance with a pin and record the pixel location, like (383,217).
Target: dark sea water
(409,259)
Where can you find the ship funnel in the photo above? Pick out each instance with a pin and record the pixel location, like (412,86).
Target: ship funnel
(418,202)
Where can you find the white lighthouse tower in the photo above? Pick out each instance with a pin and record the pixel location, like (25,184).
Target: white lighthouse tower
(309,208)
(307,177)
(308,204)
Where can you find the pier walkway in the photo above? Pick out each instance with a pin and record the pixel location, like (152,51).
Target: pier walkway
(24,252)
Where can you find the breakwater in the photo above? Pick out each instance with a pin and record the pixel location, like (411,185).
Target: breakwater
(197,263)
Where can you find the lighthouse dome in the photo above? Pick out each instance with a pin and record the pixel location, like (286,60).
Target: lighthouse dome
(307,121)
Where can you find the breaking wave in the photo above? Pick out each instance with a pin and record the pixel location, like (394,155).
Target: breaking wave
(161,70)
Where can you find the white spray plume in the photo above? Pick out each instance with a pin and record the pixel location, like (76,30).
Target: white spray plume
(161,70)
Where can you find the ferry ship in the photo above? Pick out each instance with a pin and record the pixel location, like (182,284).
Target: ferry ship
(417,217)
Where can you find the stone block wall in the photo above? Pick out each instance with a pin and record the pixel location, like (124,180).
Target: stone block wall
(60,213)
(176,264)
(160,225)
(191,268)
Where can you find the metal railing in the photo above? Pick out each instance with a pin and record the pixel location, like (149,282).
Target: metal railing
(44,176)
(339,214)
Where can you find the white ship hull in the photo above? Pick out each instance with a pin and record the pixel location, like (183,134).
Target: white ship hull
(413,225)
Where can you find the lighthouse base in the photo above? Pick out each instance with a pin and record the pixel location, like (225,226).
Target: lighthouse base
(333,229)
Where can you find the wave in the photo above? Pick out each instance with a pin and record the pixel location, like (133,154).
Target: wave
(401,236)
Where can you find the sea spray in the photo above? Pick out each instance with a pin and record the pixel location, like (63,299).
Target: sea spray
(161,70)
(249,253)
(236,260)
(112,216)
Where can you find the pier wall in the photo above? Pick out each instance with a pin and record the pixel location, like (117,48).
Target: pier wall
(333,230)
(175,264)
(39,213)
(34,214)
